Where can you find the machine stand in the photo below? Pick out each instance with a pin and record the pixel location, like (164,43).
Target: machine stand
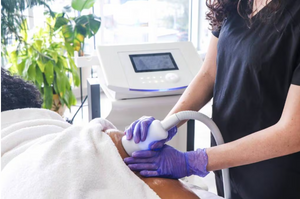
(93,88)
(190,135)
(93,91)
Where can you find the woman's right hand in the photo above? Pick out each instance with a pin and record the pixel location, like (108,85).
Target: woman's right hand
(138,130)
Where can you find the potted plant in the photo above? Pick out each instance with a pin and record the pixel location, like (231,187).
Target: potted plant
(43,60)
(46,58)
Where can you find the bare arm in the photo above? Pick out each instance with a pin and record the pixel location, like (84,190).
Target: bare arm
(200,90)
(281,139)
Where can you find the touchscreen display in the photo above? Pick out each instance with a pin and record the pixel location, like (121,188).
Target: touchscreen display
(153,62)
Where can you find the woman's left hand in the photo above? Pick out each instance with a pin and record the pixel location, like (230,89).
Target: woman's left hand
(168,163)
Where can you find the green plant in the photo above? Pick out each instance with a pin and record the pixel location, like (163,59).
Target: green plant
(12,18)
(43,61)
(46,58)
(75,30)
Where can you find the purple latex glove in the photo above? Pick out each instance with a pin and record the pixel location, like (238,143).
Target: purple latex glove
(159,144)
(138,130)
(169,163)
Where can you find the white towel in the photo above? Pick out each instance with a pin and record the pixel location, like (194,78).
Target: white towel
(44,157)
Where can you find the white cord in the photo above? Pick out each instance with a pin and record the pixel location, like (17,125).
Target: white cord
(187,115)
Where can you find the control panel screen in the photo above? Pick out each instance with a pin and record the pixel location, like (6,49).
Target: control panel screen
(153,62)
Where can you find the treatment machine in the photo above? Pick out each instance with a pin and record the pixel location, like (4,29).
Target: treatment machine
(144,79)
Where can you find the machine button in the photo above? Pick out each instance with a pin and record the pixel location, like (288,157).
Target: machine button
(172,77)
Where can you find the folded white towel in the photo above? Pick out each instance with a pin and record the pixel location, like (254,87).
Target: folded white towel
(44,157)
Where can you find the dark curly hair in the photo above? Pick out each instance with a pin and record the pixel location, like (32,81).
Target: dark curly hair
(17,93)
(220,9)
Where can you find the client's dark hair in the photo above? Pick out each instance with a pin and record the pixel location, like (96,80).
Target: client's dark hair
(17,93)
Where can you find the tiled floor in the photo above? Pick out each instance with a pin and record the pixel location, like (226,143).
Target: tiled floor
(202,140)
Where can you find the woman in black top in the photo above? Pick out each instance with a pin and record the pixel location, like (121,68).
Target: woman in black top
(252,71)
(258,64)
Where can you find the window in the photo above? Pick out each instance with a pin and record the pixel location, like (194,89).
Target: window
(139,21)
(37,12)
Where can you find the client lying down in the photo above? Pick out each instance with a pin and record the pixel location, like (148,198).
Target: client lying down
(45,157)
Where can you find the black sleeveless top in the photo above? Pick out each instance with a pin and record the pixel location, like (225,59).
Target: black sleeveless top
(255,68)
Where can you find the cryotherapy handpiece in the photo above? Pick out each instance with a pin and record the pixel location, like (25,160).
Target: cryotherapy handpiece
(158,130)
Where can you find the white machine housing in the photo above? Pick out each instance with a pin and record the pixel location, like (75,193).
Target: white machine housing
(147,70)
(151,90)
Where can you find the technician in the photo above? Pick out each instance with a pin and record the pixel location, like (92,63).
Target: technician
(252,71)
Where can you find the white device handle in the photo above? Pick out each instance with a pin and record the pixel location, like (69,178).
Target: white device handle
(156,132)
(187,115)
